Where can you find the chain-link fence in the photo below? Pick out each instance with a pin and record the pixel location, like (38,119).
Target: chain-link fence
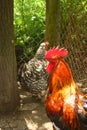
(29,27)
(73,37)
(75,40)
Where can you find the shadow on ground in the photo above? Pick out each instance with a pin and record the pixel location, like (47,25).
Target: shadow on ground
(30,116)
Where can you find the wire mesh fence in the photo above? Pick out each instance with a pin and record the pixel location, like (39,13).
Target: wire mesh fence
(73,37)
(29,27)
(75,40)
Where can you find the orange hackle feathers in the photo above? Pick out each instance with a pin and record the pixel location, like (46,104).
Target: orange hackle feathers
(64,98)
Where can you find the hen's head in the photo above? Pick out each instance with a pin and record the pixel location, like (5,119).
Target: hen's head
(53,55)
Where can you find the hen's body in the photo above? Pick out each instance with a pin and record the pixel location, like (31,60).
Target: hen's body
(32,75)
(64,100)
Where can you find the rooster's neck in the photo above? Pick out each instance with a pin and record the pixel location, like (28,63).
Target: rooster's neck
(61,76)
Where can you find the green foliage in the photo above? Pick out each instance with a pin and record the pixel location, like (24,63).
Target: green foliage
(29,21)
(73,12)
(29,24)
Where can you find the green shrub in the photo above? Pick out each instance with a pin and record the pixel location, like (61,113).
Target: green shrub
(29,24)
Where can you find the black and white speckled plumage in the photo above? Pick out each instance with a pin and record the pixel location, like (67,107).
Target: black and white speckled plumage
(32,75)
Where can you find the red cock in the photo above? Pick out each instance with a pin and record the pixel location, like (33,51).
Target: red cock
(65,104)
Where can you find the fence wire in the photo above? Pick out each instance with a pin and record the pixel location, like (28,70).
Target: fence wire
(74,38)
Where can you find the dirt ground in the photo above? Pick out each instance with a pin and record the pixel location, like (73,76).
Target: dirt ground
(30,116)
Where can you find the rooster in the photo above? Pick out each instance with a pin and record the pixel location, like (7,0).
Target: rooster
(65,104)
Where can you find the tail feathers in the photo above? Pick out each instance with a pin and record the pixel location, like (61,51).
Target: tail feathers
(83,115)
(85,106)
(85,103)
(55,127)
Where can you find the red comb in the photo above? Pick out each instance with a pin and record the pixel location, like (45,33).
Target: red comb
(56,52)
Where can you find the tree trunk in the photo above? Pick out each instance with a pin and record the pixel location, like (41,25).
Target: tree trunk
(9,98)
(53,22)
